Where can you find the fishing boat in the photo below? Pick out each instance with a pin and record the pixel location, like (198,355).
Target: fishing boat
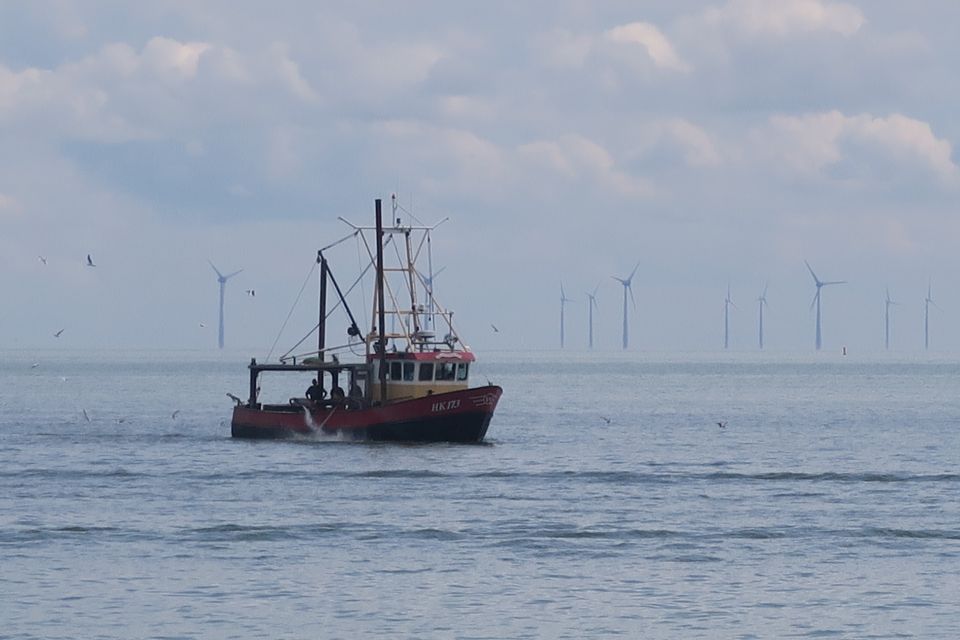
(406,384)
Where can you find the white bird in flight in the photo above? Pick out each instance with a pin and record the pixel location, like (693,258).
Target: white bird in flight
(90,261)
(57,334)
(251,292)
(42,259)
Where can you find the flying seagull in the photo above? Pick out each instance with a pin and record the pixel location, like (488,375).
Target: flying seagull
(722,425)
(57,334)
(90,261)
(42,259)
(251,292)
(85,416)
(175,414)
(35,365)
(494,327)
(606,419)
(202,325)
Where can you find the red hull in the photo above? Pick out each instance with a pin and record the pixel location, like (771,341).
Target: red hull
(458,416)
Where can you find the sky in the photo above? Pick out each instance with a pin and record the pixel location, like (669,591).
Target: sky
(714,144)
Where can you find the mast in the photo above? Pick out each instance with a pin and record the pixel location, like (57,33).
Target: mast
(381,318)
(413,289)
(322,323)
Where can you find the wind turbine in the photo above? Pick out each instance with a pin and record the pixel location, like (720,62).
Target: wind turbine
(926,316)
(626,282)
(886,323)
(592,302)
(816,298)
(563,303)
(727,303)
(222,279)
(762,301)
(428,286)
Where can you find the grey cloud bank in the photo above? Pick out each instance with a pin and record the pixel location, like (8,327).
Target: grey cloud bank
(715,142)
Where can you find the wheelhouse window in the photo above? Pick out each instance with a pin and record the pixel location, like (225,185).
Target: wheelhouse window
(447,371)
(396,370)
(462,370)
(426,371)
(408,368)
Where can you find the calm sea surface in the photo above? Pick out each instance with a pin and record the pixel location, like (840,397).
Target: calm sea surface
(606,502)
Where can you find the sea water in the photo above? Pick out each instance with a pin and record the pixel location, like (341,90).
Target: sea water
(607,501)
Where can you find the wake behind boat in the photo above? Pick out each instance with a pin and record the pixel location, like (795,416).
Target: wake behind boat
(409,385)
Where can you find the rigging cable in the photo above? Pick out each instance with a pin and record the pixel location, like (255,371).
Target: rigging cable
(295,303)
(359,280)
(299,295)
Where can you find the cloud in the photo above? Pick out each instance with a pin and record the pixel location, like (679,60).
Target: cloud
(660,141)
(781,18)
(563,49)
(573,157)
(9,206)
(647,37)
(813,143)
(289,73)
(169,57)
(120,94)
(635,44)
(454,158)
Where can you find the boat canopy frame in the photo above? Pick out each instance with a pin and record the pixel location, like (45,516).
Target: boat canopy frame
(356,371)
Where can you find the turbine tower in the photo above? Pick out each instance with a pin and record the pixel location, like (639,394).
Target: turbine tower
(926,316)
(428,290)
(563,304)
(592,302)
(222,279)
(626,282)
(727,303)
(886,321)
(762,301)
(816,298)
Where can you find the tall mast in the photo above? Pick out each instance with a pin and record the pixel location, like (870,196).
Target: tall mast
(381,318)
(414,326)
(322,322)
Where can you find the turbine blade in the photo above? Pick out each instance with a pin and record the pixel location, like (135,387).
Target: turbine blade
(230,275)
(637,266)
(620,280)
(219,275)
(630,288)
(815,278)
(814,301)
(834,282)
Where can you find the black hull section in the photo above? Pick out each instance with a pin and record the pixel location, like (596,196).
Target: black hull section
(462,427)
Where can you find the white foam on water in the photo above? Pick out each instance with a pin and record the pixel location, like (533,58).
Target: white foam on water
(316,430)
